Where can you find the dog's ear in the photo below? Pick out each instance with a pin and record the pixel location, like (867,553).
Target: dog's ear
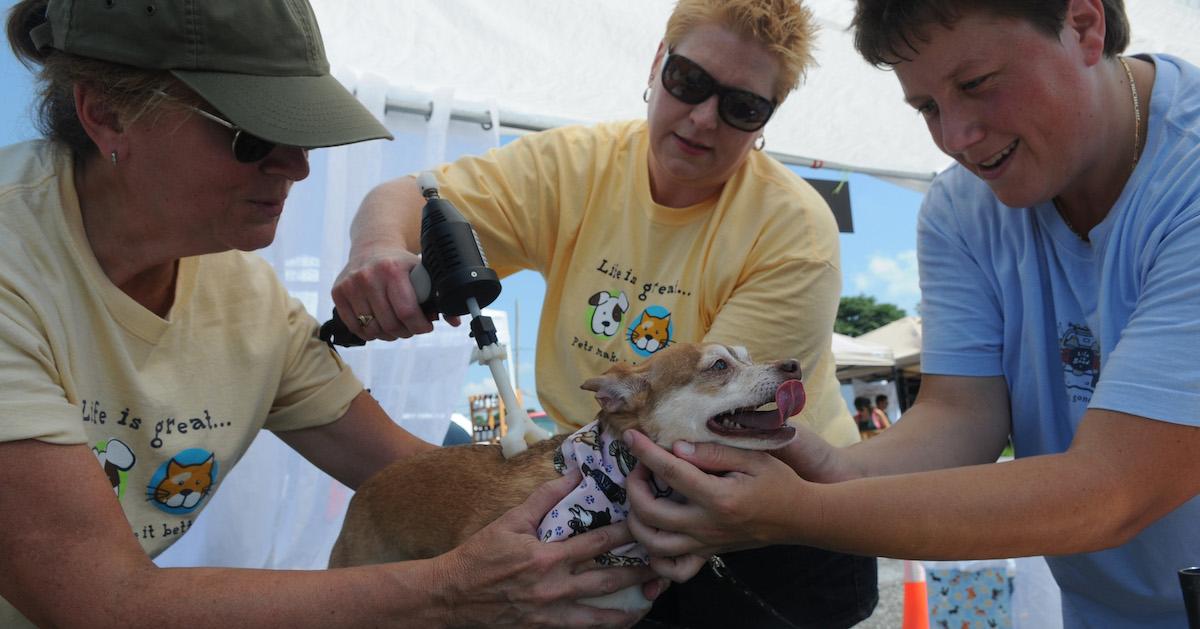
(617,391)
(595,300)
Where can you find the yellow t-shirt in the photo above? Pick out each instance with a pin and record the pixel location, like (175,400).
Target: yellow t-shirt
(757,266)
(167,405)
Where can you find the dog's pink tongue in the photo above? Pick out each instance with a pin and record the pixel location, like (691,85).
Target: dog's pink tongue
(789,397)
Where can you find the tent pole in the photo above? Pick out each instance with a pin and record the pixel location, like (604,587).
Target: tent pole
(526,122)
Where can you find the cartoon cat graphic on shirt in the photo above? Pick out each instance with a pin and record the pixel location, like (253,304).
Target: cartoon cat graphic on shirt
(184,486)
(652,333)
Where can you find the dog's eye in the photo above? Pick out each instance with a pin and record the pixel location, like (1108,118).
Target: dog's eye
(719,365)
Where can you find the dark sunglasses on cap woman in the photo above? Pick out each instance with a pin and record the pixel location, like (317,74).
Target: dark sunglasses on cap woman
(247,148)
(688,82)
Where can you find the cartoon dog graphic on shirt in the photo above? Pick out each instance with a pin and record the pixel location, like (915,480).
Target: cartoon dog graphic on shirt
(606,318)
(115,458)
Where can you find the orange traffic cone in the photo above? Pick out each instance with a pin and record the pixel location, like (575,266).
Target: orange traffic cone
(916,597)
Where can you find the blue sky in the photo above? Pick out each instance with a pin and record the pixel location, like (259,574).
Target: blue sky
(879,259)
(17,90)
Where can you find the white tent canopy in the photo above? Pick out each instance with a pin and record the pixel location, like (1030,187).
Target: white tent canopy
(589,60)
(903,337)
(856,358)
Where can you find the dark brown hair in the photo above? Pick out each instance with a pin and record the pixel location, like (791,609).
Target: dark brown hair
(887,32)
(127,90)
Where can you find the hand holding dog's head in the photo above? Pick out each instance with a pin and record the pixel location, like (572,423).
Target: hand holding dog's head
(702,393)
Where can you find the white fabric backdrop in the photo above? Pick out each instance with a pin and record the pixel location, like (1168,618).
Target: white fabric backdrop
(274,509)
(588,60)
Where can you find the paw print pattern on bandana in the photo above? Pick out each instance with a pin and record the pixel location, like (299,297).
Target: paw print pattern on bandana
(601,491)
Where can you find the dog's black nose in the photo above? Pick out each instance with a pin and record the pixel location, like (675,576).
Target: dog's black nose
(790,365)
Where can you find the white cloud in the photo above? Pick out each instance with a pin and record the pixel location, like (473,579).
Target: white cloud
(893,280)
(480,387)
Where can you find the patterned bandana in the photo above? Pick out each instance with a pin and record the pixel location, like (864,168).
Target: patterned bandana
(600,498)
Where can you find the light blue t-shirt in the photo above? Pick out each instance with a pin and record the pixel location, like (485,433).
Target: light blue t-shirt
(1111,324)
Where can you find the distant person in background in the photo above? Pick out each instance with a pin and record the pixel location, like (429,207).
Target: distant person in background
(141,350)
(870,420)
(882,419)
(863,414)
(650,232)
(1060,294)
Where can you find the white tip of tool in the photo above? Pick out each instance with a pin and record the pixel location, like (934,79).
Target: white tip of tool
(513,443)
(488,353)
(427,181)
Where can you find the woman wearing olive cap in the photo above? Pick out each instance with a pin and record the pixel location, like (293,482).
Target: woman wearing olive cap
(141,350)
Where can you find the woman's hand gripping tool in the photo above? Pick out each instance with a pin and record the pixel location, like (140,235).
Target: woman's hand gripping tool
(453,279)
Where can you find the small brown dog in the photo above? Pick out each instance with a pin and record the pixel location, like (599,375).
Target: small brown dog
(427,504)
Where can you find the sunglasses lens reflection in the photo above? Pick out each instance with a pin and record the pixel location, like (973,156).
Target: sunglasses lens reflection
(744,110)
(250,148)
(687,81)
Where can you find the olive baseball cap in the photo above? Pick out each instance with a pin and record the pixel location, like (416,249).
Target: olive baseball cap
(260,63)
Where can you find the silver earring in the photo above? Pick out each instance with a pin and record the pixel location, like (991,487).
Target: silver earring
(113,156)
(646,95)
(759,143)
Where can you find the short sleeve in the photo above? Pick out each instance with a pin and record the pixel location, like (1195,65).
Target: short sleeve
(1152,371)
(316,387)
(34,404)
(962,323)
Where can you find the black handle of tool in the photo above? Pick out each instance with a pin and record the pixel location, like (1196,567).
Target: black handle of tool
(453,278)
(335,332)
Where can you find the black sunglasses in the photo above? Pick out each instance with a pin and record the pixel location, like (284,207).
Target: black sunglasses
(687,81)
(247,148)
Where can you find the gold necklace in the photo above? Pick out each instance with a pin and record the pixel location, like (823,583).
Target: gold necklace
(1137,126)
(1070,225)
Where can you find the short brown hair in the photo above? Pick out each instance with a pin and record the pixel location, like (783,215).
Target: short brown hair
(886,31)
(128,90)
(784,27)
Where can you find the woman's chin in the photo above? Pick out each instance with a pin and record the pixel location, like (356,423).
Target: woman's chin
(1017,196)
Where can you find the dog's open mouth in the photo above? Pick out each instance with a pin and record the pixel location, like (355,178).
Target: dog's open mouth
(767,421)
